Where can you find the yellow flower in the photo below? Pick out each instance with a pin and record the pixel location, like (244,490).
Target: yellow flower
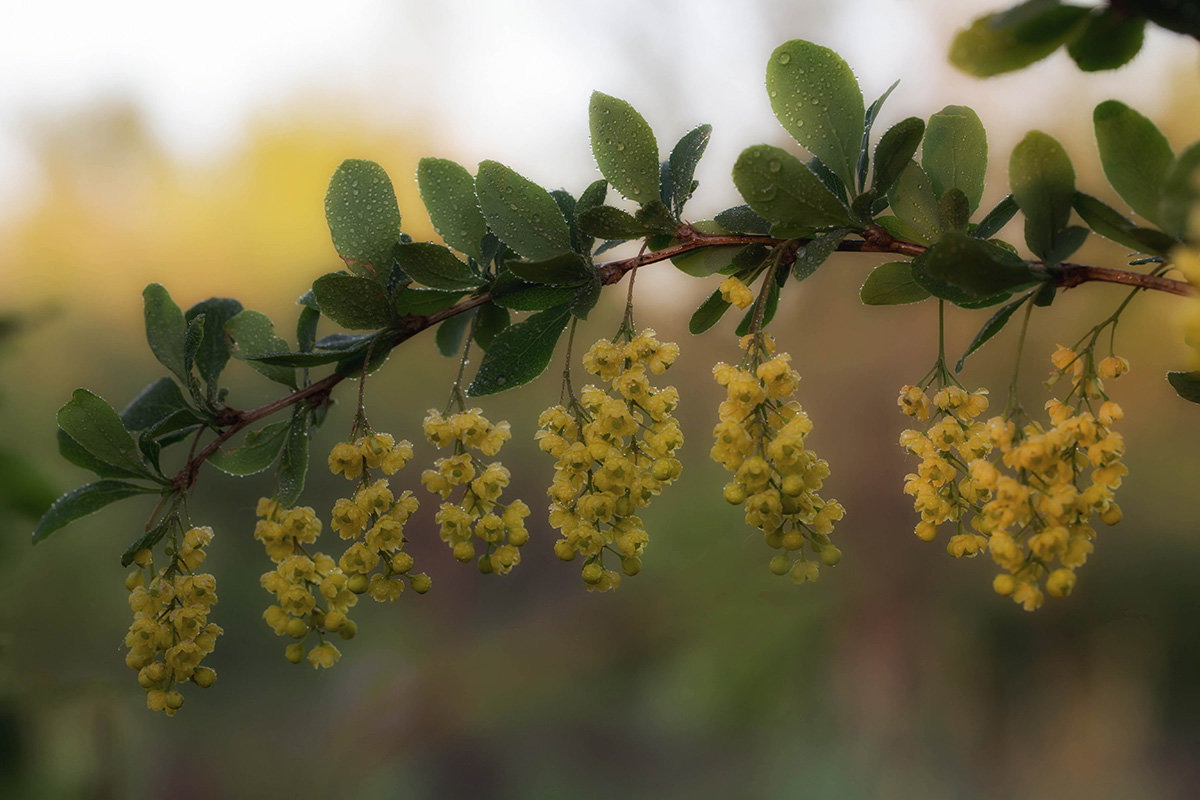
(735,292)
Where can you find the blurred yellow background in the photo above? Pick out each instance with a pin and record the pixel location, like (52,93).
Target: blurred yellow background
(898,675)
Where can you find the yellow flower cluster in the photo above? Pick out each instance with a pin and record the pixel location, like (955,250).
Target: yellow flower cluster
(760,438)
(615,451)
(171,634)
(1027,493)
(735,292)
(478,515)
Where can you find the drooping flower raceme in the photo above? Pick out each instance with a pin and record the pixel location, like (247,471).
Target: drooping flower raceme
(614,451)
(760,438)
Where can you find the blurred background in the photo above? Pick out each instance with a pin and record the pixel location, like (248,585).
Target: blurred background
(145,141)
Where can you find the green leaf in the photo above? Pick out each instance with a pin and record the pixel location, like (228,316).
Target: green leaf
(611,223)
(769,308)
(1135,156)
(435,266)
(707,261)
(293,465)
(419,302)
(165,329)
(996,219)
(816,97)
(954,155)
(1008,41)
(148,539)
(1180,191)
(709,313)
(353,302)
(450,334)
(1109,39)
(566,207)
(566,269)
(624,147)
(895,151)
(85,500)
(1066,242)
(364,220)
(155,403)
(448,192)
(93,423)
(489,321)
(512,293)
(1043,184)
(891,284)
(258,452)
(306,326)
(586,298)
(1186,384)
(74,452)
(592,197)
(1111,224)
(815,253)
(522,214)
(974,266)
(656,216)
(191,346)
(780,188)
(914,203)
(743,219)
(990,328)
(684,158)
(520,352)
(253,332)
(213,352)
(868,123)
(954,210)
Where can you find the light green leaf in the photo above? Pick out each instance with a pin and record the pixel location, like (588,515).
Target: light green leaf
(93,423)
(891,284)
(624,147)
(779,187)
(83,501)
(522,214)
(914,203)
(1135,156)
(954,155)
(520,352)
(435,266)
(1043,184)
(1108,222)
(352,302)
(165,329)
(254,333)
(1010,40)
(364,220)
(816,97)
(448,192)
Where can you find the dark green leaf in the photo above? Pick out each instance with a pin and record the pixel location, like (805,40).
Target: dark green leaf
(293,465)
(259,451)
(990,328)
(1066,242)
(684,158)
(895,151)
(586,298)
(364,220)
(254,333)
(769,308)
(1008,41)
(489,320)
(93,423)
(213,352)
(954,154)
(450,334)
(520,352)
(510,292)
(914,203)
(74,452)
(351,364)
(191,345)
(165,329)
(306,327)
(1180,191)
(352,302)
(1043,184)
(656,216)
(448,192)
(624,147)
(743,219)
(1109,39)
(566,269)
(1187,384)
(155,403)
(1135,156)
(592,197)
(566,206)
(975,267)
(869,122)
(435,266)
(522,214)
(996,219)
(891,284)
(1044,296)
(419,302)
(816,97)
(781,189)
(954,210)
(610,223)
(815,253)
(709,313)
(85,500)
(706,261)
(832,182)
(148,539)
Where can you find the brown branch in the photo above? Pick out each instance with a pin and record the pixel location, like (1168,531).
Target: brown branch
(874,240)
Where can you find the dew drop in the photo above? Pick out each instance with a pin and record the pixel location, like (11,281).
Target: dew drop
(500,379)
(784,58)
(774,165)
(620,146)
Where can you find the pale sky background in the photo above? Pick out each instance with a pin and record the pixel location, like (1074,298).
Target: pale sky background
(507,79)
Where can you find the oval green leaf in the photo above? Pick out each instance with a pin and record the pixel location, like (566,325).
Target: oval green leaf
(1043,185)
(435,266)
(1135,156)
(891,284)
(448,192)
(352,302)
(364,220)
(83,501)
(954,154)
(779,187)
(624,147)
(521,213)
(520,352)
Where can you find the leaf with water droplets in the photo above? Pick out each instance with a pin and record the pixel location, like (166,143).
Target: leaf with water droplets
(914,203)
(435,266)
(520,352)
(1134,154)
(364,220)
(779,187)
(448,192)
(565,269)
(816,97)
(352,302)
(709,313)
(1043,184)
(895,151)
(682,165)
(954,155)
(624,147)
(521,213)
(891,284)
(253,333)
